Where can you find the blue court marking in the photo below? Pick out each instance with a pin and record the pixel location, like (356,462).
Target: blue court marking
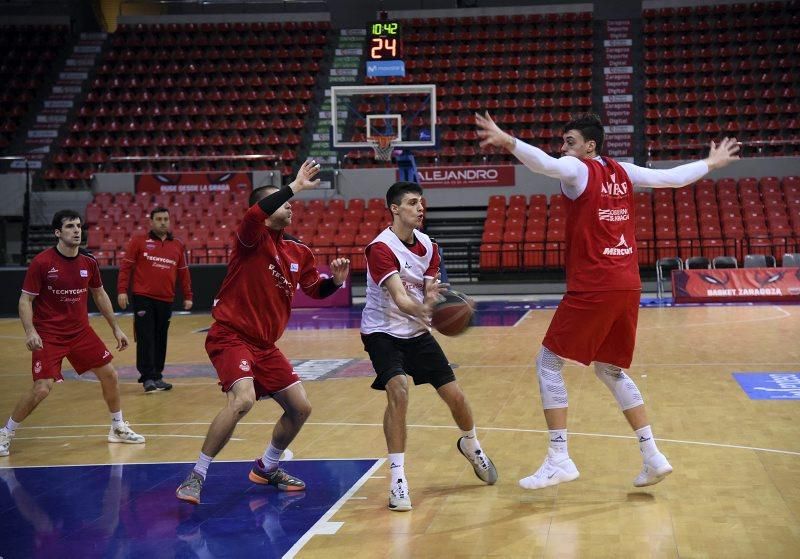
(131,510)
(778,385)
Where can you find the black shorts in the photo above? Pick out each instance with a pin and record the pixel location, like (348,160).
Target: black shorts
(422,358)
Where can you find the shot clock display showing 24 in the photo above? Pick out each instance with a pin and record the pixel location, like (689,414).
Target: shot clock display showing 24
(385,40)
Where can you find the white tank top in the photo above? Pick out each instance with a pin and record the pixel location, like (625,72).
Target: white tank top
(380,311)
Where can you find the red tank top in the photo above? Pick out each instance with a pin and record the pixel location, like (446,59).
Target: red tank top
(600,244)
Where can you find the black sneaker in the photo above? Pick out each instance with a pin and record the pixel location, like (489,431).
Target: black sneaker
(150,386)
(161,385)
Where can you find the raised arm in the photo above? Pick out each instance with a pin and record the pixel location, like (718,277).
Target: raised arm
(570,170)
(252,226)
(676,177)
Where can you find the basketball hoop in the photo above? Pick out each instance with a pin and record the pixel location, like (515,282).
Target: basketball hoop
(383,146)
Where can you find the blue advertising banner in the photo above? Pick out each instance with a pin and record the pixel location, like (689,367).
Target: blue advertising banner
(385,68)
(770,386)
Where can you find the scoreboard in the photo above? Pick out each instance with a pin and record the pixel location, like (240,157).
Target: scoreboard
(384,40)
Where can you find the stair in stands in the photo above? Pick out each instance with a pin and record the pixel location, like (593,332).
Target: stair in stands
(458,232)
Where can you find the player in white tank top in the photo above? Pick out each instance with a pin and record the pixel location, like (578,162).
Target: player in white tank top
(402,287)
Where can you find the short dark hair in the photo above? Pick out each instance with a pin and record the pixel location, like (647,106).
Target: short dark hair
(158,210)
(65,215)
(260,193)
(399,189)
(590,126)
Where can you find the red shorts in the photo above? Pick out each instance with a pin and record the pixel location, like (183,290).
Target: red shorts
(85,351)
(235,359)
(595,326)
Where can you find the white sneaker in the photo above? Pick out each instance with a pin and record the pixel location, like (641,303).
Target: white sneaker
(654,470)
(399,498)
(555,469)
(124,434)
(5,441)
(482,464)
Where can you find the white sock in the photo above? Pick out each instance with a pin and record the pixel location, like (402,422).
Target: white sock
(397,466)
(271,457)
(558,441)
(12,425)
(203,462)
(116,418)
(647,443)
(471,443)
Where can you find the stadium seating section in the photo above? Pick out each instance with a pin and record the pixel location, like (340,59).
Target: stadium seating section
(207,222)
(26,55)
(715,70)
(199,91)
(729,217)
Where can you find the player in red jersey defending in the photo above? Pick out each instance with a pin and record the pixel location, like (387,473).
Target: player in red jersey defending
(596,319)
(250,313)
(53,311)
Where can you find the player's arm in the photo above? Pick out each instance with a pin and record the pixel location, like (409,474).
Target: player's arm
(406,303)
(252,226)
(186,280)
(104,306)
(32,339)
(572,173)
(123,280)
(676,177)
(314,286)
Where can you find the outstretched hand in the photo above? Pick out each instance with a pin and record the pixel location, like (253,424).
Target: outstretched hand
(340,267)
(305,177)
(491,134)
(722,154)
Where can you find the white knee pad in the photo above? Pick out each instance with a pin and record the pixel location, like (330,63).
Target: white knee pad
(620,385)
(551,383)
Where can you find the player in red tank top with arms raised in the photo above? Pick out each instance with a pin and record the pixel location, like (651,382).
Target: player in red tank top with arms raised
(596,319)
(251,310)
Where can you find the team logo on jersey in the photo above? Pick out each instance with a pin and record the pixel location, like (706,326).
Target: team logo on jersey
(622,248)
(84,273)
(617,214)
(150,246)
(293,267)
(52,270)
(244,365)
(407,266)
(37,367)
(613,188)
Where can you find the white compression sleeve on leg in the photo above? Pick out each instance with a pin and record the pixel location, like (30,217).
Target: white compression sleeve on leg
(551,383)
(620,385)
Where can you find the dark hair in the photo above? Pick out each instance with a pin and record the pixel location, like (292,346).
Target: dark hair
(65,215)
(158,210)
(260,193)
(399,189)
(591,128)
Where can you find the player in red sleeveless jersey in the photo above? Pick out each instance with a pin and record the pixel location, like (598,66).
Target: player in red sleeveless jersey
(596,319)
(250,313)
(53,311)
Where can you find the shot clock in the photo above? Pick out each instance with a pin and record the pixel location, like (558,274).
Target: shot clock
(384,40)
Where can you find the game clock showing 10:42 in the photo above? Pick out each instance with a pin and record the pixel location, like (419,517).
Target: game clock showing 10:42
(385,40)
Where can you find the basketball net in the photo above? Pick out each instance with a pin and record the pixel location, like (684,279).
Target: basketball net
(383,146)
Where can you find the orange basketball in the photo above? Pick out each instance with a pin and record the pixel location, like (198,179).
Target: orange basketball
(453,315)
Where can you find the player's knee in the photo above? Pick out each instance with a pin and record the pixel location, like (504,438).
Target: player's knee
(41,390)
(242,403)
(301,412)
(552,388)
(397,392)
(621,385)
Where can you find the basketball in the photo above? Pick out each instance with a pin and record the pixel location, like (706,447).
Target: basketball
(453,315)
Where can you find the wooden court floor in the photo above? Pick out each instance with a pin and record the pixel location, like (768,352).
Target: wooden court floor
(735,491)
